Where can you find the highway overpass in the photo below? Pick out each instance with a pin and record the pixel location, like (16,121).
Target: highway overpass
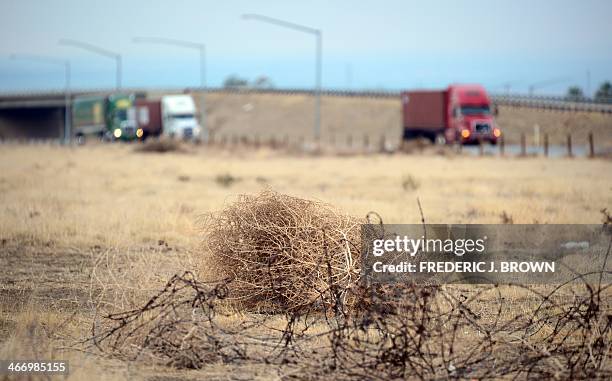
(40,115)
(32,115)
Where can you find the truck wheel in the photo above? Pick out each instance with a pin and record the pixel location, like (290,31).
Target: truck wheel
(409,135)
(107,137)
(440,139)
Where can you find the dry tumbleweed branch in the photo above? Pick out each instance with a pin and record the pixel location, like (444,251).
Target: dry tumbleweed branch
(398,331)
(271,245)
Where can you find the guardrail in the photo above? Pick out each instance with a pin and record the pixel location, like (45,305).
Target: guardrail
(553,103)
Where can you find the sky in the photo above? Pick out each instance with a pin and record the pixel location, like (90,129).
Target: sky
(384,44)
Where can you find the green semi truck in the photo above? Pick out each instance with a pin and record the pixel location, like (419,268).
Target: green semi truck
(110,117)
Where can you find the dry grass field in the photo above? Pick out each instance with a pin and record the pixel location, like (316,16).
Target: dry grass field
(104,226)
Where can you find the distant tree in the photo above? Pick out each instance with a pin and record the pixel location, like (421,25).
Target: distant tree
(574,93)
(604,93)
(234,81)
(263,82)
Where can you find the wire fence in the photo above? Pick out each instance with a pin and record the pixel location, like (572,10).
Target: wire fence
(399,331)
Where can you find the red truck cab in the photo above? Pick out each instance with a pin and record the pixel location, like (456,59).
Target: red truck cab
(460,113)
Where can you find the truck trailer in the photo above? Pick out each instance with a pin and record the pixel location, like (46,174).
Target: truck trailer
(174,116)
(148,117)
(110,117)
(460,113)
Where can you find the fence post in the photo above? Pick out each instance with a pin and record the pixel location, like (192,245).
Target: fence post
(366,142)
(523,145)
(545,145)
(569,145)
(502,148)
(536,135)
(349,141)
(591,145)
(383,143)
(480,147)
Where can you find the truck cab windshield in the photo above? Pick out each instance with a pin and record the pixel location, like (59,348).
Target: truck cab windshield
(182,116)
(121,114)
(475,110)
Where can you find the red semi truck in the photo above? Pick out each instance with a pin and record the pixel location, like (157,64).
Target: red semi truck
(460,113)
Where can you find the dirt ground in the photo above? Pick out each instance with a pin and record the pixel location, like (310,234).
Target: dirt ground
(96,220)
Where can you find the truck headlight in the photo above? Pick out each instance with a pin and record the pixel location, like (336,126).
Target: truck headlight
(496,132)
(117,133)
(139,133)
(465,134)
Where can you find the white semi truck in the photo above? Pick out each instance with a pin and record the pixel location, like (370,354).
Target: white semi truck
(179,117)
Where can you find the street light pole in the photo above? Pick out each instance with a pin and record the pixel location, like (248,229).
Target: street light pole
(317,132)
(67,96)
(201,48)
(101,51)
(549,82)
(588,84)
(119,72)
(318,64)
(203,68)
(68,116)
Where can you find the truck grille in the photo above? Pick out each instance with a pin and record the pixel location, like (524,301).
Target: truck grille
(482,128)
(129,131)
(188,132)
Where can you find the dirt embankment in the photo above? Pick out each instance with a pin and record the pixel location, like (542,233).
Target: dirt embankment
(292,116)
